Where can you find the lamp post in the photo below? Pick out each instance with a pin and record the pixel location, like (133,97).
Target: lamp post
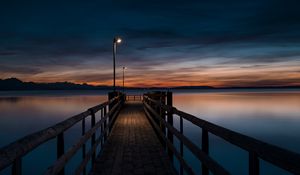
(116,41)
(124,68)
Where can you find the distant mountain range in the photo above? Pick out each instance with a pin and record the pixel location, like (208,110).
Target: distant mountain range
(14,84)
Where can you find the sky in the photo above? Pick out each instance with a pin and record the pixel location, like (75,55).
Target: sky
(165,42)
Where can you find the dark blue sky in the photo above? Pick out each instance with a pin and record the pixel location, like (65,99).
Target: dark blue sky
(170,42)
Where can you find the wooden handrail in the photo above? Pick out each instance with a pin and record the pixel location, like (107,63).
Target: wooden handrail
(280,157)
(24,145)
(93,149)
(134,97)
(283,158)
(209,162)
(15,151)
(61,162)
(187,168)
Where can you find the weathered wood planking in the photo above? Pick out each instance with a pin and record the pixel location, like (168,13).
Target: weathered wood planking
(132,147)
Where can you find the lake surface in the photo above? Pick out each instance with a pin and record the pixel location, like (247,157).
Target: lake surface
(271,116)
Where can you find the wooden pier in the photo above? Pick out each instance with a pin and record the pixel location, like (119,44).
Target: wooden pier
(135,135)
(132,148)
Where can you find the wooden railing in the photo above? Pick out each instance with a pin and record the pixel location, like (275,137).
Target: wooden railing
(161,118)
(12,154)
(134,97)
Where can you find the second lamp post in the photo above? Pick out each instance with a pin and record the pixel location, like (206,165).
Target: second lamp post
(124,78)
(116,41)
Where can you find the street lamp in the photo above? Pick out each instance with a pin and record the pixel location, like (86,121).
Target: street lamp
(124,78)
(116,41)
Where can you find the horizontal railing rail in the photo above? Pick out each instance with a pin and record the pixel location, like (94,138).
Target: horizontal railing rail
(12,154)
(134,97)
(277,156)
(61,162)
(209,162)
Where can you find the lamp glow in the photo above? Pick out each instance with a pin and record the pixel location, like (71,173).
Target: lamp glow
(119,40)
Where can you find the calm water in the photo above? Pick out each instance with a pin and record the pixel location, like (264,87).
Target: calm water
(273,117)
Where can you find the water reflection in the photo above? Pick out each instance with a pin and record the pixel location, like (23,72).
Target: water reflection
(27,114)
(271,117)
(9,100)
(239,104)
(22,115)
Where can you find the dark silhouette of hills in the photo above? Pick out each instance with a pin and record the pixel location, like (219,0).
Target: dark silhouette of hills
(193,87)
(14,84)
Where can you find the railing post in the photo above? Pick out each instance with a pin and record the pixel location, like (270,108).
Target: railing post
(93,140)
(181,144)
(162,113)
(104,124)
(101,127)
(205,149)
(83,146)
(170,121)
(17,167)
(60,149)
(253,164)
(111,95)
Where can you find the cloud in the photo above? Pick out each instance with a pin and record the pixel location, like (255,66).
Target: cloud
(177,41)
(20,70)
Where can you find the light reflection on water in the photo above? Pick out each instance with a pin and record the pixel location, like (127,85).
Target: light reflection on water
(271,117)
(22,115)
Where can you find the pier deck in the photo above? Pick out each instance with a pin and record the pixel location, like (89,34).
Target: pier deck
(133,147)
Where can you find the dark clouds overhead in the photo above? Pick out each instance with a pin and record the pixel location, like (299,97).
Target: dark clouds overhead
(57,38)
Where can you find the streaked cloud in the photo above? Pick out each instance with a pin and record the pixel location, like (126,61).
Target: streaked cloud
(166,43)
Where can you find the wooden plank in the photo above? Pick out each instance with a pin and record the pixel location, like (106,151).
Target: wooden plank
(132,147)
